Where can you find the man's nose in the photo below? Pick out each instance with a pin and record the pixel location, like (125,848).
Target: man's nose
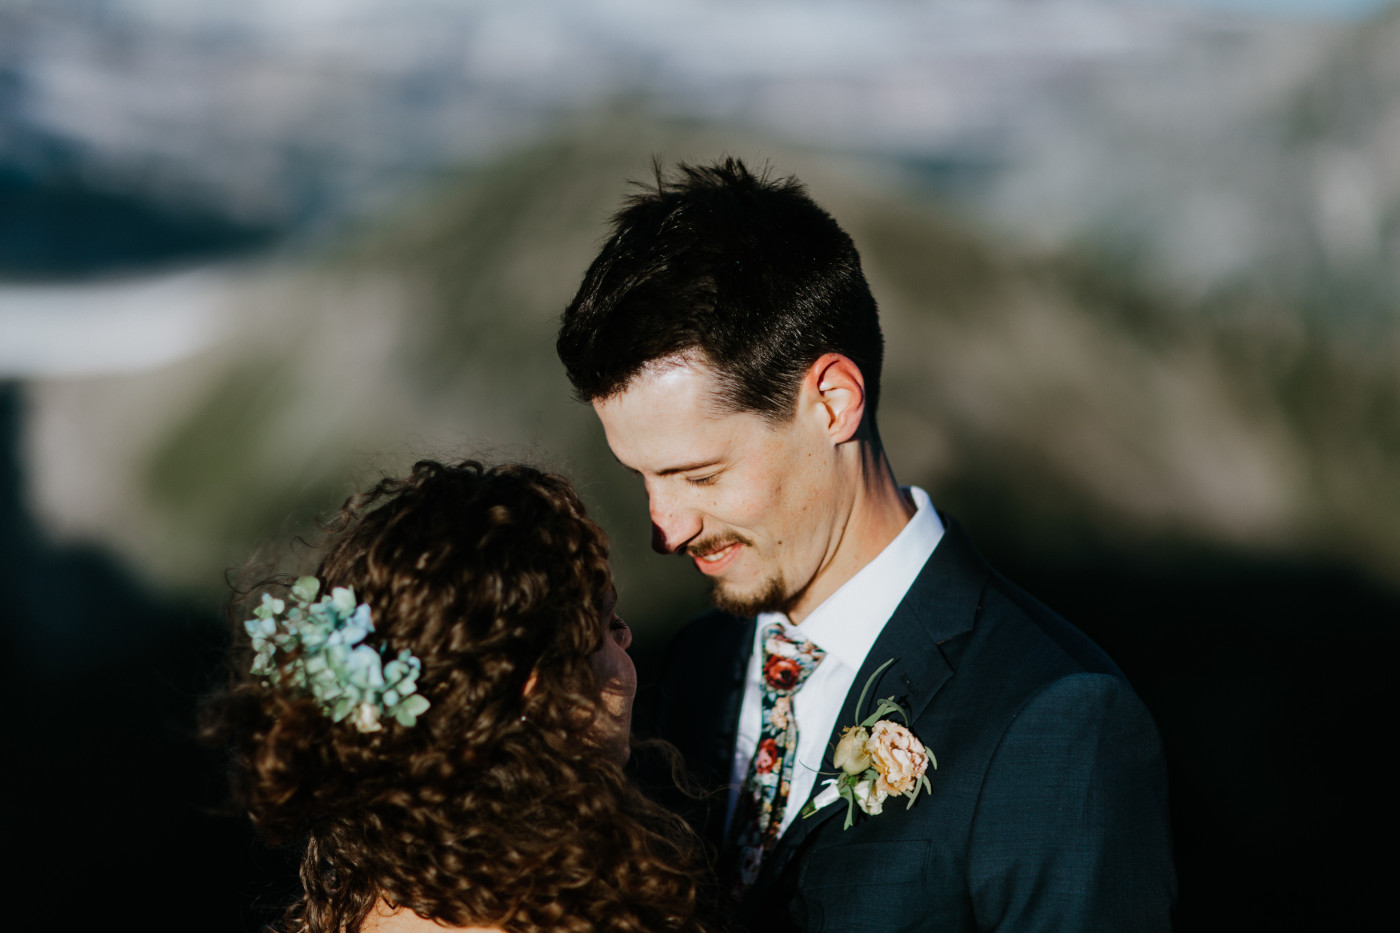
(671,528)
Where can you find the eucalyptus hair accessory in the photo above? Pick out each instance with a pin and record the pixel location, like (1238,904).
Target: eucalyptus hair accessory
(320,642)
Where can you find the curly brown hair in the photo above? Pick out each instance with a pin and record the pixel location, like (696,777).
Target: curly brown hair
(494,809)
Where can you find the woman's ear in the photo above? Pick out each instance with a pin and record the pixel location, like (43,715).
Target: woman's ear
(835,388)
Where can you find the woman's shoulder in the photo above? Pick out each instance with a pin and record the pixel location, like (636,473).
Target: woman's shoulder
(386,919)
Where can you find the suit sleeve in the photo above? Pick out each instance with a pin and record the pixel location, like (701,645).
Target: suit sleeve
(1070,831)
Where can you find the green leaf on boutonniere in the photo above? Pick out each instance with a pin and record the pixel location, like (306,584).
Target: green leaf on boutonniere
(865,692)
(889,761)
(887,705)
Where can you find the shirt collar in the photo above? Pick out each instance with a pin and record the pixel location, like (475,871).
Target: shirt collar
(847,623)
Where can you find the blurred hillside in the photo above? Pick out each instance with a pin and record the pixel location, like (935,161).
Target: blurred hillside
(1045,396)
(1248,173)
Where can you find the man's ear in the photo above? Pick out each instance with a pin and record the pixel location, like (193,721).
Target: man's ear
(835,386)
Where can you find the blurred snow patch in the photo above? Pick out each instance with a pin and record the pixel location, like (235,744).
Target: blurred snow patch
(103,328)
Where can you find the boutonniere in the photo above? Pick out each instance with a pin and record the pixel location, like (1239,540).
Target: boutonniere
(877,757)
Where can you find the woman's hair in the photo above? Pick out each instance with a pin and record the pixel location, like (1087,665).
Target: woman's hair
(494,808)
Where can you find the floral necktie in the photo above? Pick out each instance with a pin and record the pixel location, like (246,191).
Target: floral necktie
(758,814)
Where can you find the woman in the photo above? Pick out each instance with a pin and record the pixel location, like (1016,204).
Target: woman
(442,715)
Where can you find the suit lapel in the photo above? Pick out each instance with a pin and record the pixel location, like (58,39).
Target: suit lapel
(727,724)
(921,637)
(728,658)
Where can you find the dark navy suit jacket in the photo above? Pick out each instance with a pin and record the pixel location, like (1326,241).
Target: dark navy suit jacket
(1049,804)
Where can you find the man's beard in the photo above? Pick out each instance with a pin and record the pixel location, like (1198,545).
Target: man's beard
(772,596)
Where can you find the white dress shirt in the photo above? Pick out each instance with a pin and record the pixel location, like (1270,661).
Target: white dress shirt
(845,626)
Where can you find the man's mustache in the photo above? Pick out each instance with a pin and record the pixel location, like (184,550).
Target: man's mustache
(718,543)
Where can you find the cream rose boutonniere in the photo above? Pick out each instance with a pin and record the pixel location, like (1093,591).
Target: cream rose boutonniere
(878,758)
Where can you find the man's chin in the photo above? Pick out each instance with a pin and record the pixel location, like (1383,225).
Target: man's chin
(771,596)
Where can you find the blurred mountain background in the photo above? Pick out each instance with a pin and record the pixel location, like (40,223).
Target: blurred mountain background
(1138,265)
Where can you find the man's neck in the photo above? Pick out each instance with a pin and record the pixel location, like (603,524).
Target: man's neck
(879,511)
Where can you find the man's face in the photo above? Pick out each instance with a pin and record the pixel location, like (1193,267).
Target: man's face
(756,506)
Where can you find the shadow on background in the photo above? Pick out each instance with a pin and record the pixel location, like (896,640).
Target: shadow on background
(114,807)
(1269,681)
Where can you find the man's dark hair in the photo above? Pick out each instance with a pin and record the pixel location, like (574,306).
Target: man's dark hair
(747,270)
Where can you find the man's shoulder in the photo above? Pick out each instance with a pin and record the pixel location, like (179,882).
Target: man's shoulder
(699,690)
(708,641)
(989,621)
(1038,636)
(708,651)
(1009,646)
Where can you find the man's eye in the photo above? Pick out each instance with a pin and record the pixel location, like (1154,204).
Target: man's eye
(702,480)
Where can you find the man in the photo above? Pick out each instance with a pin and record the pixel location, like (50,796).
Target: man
(729,344)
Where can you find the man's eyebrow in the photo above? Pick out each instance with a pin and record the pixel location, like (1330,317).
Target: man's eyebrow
(672,471)
(688,467)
